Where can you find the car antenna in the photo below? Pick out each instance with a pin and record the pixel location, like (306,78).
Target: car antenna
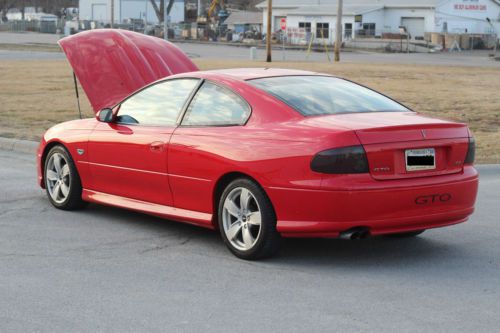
(77,95)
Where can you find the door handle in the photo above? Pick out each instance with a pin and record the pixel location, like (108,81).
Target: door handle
(157,146)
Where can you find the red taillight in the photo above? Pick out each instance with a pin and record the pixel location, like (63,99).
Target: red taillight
(341,160)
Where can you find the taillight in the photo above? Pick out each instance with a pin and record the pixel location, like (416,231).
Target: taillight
(341,160)
(471,152)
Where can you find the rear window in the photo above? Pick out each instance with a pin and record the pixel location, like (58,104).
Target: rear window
(323,95)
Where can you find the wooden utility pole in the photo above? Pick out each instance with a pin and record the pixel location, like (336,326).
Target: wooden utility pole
(268,33)
(165,20)
(112,14)
(338,35)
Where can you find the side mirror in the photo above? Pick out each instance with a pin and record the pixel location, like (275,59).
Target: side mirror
(106,115)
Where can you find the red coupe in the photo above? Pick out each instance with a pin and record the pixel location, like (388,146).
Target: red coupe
(259,154)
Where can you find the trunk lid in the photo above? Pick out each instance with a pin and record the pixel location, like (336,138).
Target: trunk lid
(391,139)
(112,64)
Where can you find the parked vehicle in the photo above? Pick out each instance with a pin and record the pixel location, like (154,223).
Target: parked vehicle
(259,154)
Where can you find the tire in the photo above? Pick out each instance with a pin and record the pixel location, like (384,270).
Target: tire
(406,234)
(62,181)
(247,221)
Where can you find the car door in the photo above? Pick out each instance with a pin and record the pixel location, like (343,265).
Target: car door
(215,115)
(128,157)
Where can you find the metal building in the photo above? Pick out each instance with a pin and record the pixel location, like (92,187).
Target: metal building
(378,17)
(100,10)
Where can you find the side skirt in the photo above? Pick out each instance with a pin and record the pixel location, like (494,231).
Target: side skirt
(167,212)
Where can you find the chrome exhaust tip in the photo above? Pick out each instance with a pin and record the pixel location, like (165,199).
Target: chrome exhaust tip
(355,233)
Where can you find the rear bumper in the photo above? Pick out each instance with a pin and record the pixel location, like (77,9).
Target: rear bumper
(384,207)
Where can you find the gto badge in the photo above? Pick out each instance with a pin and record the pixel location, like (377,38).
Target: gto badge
(80,151)
(433,198)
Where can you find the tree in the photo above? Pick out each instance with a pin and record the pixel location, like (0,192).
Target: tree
(160,10)
(48,6)
(5,5)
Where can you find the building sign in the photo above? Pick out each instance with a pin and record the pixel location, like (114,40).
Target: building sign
(358,18)
(470,5)
(283,24)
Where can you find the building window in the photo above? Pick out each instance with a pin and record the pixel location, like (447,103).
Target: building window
(306,26)
(348,30)
(369,29)
(322,30)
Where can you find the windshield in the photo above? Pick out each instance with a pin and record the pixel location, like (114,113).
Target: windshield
(323,95)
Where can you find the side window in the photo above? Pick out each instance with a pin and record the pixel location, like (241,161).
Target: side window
(158,105)
(216,106)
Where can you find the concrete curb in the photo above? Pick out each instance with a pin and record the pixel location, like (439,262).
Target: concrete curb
(23,146)
(30,147)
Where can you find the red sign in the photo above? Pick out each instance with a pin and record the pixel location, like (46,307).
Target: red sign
(283,24)
(470,7)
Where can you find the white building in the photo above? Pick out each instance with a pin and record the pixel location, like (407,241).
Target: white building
(378,17)
(100,10)
(30,14)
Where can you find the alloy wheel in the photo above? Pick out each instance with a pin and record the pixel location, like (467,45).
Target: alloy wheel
(58,177)
(241,218)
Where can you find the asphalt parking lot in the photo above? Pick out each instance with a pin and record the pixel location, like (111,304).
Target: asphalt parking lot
(109,270)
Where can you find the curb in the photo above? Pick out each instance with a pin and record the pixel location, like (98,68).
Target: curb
(23,146)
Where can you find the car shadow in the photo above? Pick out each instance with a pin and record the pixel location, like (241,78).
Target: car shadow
(305,253)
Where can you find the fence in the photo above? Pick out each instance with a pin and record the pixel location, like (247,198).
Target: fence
(51,27)
(388,39)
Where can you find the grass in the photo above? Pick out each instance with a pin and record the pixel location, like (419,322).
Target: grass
(34,95)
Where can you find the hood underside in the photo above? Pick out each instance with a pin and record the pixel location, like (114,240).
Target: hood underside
(111,64)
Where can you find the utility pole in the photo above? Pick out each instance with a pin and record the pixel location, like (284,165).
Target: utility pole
(496,36)
(23,10)
(268,33)
(146,18)
(165,20)
(112,13)
(338,35)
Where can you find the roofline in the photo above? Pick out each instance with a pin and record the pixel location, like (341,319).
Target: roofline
(343,14)
(263,5)
(226,73)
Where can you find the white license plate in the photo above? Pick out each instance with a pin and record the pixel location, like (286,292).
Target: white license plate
(420,159)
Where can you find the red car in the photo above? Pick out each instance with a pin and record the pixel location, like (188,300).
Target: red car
(259,154)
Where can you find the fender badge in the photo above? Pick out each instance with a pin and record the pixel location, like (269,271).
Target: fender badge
(382,169)
(80,151)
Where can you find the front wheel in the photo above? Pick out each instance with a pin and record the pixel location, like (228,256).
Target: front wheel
(247,221)
(62,182)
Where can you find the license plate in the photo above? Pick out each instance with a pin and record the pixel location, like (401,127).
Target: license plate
(420,159)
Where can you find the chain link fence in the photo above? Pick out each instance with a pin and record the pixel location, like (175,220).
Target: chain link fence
(321,37)
(50,27)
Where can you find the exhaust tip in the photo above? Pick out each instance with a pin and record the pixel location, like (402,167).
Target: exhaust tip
(355,233)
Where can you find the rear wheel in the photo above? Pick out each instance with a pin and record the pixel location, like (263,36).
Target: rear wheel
(406,234)
(247,221)
(62,182)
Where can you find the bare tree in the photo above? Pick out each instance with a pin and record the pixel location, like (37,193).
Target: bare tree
(159,10)
(48,6)
(5,5)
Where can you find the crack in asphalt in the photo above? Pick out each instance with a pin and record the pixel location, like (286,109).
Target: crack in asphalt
(164,246)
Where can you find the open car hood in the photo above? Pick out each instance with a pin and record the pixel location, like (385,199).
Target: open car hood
(111,64)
